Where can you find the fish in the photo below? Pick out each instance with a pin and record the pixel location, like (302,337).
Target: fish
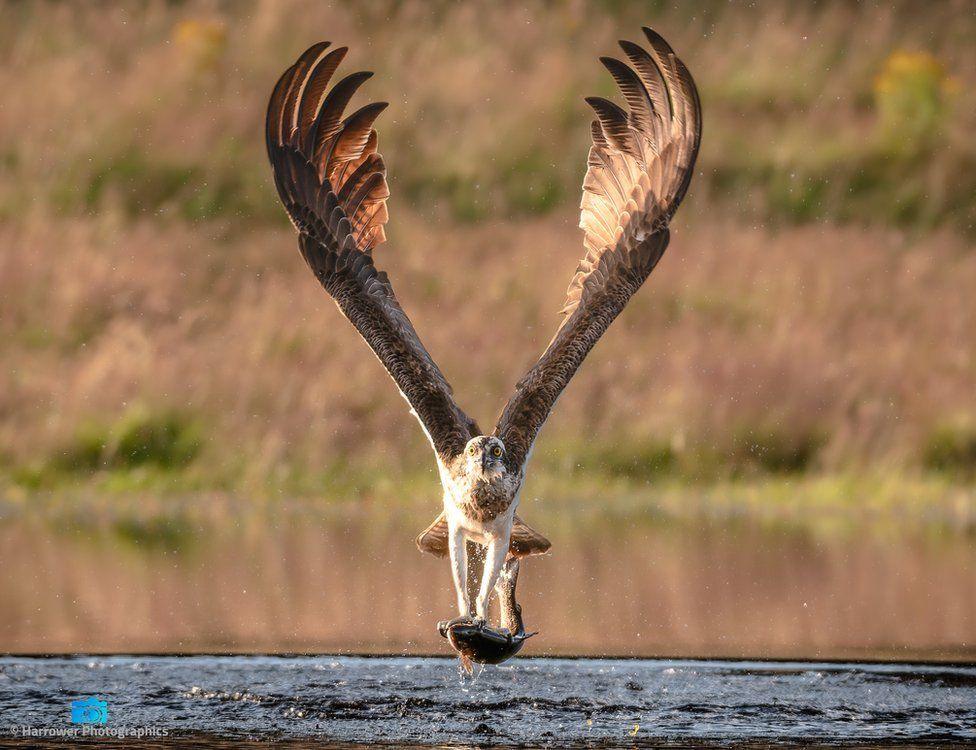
(476,641)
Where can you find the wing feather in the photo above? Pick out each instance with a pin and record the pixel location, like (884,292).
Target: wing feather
(311,96)
(296,84)
(638,169)
(332,182)
(326,127)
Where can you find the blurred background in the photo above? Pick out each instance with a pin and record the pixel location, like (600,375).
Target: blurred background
(771,453)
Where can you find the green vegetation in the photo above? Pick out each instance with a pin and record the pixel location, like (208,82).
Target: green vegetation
(867,183)
(168,440)
(908,167)
(747,453)
(154,532)
(951,449)
(759,471)
(140,448)
(140,184)
(641,461)
(775,450)
(518,183)
(841,503)
(914,95)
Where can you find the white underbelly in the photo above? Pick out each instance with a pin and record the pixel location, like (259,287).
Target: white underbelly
(480,531)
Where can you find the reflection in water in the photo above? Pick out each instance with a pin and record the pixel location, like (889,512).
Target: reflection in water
(357,583)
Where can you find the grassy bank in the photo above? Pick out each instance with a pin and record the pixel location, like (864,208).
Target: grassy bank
(811,324)
(155,505)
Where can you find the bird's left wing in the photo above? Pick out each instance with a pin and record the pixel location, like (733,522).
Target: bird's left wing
(639,167)
(332,182)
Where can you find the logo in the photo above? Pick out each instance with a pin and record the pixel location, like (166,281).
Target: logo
(89,710)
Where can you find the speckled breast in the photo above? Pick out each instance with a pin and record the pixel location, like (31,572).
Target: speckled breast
(487,501)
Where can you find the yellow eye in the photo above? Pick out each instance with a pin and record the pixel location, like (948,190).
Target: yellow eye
(471,450)
(496,451)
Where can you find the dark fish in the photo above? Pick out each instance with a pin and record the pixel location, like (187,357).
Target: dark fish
(479,642)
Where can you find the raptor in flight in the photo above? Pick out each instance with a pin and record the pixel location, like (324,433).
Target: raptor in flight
(332,181)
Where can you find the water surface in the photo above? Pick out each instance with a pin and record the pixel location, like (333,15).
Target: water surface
(314,581)
(530,702)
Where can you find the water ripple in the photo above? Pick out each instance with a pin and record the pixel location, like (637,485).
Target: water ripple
(532,702)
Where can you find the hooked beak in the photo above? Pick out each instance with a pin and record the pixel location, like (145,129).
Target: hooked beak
(490,464)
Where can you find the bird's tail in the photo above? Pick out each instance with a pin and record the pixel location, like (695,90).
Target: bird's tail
(525,540)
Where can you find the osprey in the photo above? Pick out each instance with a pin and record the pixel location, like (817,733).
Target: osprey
(332,181)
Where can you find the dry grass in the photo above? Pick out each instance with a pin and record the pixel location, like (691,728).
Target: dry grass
(861,337)
(814,312)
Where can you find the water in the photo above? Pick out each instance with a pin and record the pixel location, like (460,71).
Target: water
(530,702)
(312,582)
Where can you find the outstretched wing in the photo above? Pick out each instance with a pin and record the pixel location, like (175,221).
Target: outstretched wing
(332,182)
(638,170)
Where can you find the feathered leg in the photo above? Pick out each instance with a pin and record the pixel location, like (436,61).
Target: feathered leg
(459,568)
(494,560)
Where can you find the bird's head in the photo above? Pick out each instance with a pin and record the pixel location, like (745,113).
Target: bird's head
(485,454)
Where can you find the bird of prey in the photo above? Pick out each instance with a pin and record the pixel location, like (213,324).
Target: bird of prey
(332,181)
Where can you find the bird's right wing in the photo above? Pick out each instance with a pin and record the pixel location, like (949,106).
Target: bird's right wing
(639,167)
(332,182)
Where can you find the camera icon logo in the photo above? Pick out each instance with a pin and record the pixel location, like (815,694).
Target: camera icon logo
(89,710)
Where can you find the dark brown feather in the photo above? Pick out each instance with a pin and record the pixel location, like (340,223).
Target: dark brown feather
(355,133)
(326,125)
(641,107)
(614,123)
(650,74)
(286,118)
